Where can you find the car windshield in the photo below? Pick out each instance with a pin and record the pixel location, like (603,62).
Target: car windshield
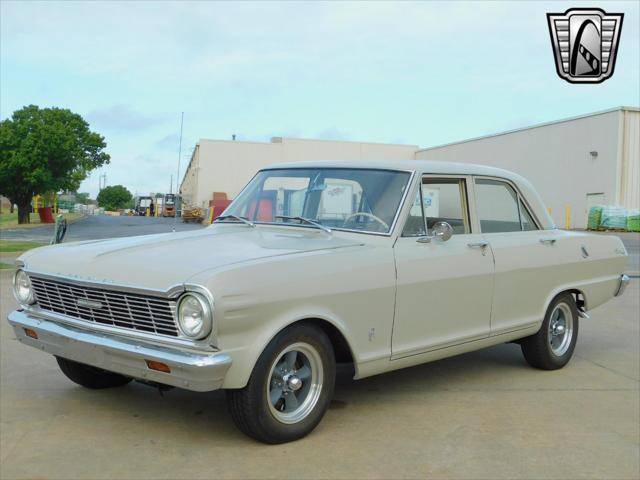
(359,199)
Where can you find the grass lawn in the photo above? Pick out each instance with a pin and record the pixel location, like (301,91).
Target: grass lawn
(10,220)
(18,246)
(6,266)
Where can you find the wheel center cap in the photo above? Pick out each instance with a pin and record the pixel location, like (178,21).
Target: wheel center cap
(293,383)
(558,329)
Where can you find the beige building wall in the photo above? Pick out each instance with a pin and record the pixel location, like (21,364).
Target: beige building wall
(556,157)
(227,166)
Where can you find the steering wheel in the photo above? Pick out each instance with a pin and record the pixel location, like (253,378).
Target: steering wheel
(368,215)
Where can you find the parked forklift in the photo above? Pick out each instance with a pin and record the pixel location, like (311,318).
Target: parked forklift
(169,205)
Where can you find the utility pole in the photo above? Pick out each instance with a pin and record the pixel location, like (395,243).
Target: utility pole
(175,217)
(179,154)
(171,184)
(102,181)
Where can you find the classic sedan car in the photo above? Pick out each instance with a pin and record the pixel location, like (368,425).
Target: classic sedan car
(382,265)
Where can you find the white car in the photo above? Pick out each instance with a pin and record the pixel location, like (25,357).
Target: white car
(382,265)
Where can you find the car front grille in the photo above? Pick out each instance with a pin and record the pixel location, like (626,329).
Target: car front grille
(108,307)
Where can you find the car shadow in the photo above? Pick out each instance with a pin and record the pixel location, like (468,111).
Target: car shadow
(205,415)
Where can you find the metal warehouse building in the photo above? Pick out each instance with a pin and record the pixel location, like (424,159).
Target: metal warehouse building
(574,163)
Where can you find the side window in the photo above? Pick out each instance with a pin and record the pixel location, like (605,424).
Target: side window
(445,200)
(414,226)
(499,208)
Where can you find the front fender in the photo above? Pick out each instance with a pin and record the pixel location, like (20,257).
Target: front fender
(245,357)
(352,289)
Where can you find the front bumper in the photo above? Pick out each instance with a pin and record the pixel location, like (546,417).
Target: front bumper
(624,281)
(200,372)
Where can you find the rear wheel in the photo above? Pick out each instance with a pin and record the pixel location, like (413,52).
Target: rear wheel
(552,347)
(290,387)
(90,377)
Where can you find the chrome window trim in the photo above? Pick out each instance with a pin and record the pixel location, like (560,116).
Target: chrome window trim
(392,227)
(465,202)
(520,198)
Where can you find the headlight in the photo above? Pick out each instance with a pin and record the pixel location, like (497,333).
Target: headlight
(194,315)
(22,289)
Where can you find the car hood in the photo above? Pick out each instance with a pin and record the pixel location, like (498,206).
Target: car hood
(162,261)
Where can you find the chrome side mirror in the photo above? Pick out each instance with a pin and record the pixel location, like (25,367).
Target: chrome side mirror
(441,231)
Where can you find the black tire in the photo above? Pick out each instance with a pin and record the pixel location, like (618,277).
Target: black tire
(90,377)
(251,407)
(538,350)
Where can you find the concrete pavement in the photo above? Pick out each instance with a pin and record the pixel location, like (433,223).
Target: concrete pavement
(481,415)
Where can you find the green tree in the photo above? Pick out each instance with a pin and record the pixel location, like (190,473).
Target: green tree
(45,150)
(114,197)
(82,198)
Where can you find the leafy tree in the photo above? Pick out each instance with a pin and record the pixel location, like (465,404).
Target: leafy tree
(114,197)
(45,150)
(82,198)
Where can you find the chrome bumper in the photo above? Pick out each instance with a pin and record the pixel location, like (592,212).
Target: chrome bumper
(200,372)
(624,281)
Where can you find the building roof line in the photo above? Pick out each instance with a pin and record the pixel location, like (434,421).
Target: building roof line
(537,125)
(281,139)
(233,141)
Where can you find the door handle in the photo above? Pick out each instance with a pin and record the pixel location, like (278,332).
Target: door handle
(550,241)
(482,244)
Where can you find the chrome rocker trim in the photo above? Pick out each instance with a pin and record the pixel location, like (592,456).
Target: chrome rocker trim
(200,372)
(624,281)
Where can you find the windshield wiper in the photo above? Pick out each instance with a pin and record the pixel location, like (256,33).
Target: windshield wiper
(236,217)
(306,220)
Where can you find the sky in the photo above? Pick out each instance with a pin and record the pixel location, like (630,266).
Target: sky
(423,73)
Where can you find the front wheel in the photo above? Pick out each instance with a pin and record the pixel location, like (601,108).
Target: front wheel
(290,387)
(552,347)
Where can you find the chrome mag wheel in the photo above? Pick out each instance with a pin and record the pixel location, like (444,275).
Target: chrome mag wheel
(560,329)
(295,383)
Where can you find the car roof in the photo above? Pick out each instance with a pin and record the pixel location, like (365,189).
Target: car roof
(438,168)
(422,166)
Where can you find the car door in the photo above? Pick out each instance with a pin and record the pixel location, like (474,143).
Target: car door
(444,289)
(526,259)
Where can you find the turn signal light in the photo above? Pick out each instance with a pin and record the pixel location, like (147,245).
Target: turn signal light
(30,333)
(159,366)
